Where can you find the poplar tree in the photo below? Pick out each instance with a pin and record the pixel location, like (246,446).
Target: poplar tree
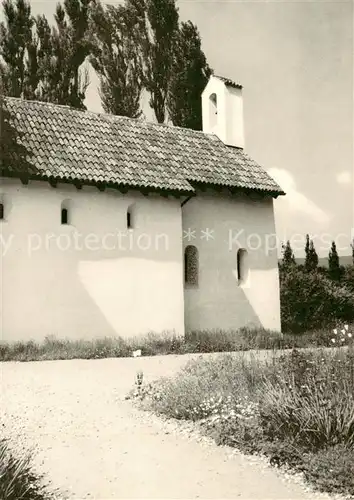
(70,45)
(190,73)
(157,28)
(18,67)
(288,255)
(44,63)
(334,270)
(311,257)
(117,59)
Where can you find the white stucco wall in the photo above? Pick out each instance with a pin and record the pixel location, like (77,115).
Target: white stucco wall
(219,301)
(81,280)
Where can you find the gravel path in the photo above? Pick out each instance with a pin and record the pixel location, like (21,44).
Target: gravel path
(91,443)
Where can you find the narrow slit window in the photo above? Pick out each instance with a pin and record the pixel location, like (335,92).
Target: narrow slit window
(64,216)
(213,109)
(191,265)
(1,211)
(130,217)
(242,266)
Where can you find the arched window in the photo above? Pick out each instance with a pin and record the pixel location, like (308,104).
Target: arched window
(191,265)
(213,110)
(2,211)
(64,216)
(242,266)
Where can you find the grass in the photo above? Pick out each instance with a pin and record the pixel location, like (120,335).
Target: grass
(153,344)
(295,407)
(17,479)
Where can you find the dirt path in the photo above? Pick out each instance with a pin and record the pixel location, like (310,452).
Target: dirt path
(93,444)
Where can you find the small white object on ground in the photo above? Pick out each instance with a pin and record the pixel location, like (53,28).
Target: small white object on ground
(137,353)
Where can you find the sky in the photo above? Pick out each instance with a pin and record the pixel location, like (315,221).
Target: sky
(295,60)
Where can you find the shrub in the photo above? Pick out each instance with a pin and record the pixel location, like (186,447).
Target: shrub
(184,396)
(310,400)
(348,278)
(154,344)
(214,341)
(17,479)
(309,300)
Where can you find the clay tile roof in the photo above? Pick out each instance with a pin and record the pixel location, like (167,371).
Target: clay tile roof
(68,144)
(228,82)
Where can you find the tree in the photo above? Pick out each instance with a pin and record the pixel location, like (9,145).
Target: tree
(162,16)
(334,270)
(157,27)
(189,75)
(18,67)
(307,248)
(47,84)
(288,255)
(116,58)
(311,257)
(43,63)
(70,45)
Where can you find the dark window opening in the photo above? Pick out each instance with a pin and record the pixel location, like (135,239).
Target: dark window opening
(238,266)
(213,109)
(129,220)
(242,268)
(1,211)
(64,216)
(191,265)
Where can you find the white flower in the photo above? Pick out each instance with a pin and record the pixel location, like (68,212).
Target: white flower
(343,340)
(350,335)
(333,340)
(335,331)
(346,327)
(342,332)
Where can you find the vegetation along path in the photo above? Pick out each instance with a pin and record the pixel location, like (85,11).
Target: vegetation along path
(91,443)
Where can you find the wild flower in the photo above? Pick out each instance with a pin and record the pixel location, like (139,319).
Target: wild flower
(228,411)
(342,336)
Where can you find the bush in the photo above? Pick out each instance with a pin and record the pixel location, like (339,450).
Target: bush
(154,344)
(309,300)
(348,278)
(214,341)
(310,399)
(17,480)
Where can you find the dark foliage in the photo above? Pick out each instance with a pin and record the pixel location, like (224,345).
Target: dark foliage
(13,155)
(189,75)
(44,63)
(309,300)
(117,59)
